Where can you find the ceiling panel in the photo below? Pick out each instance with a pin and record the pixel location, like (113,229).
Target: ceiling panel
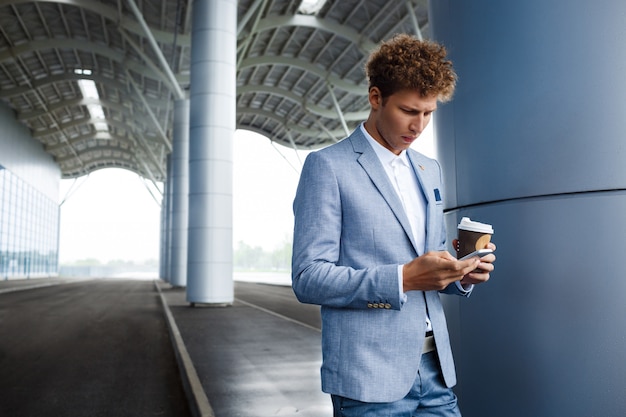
(291,69)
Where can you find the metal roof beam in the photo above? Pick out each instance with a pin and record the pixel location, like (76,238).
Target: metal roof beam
(79,101)
(325,129)
(60,127)
(416,26)
(348,86)
(163,76)
(330,26)
(154,119)
(92,136)
(114,16)
(157,50)
(246,43)
(90,47)
(89,157)
(293,145)
(272,116)
(150,175)
(246,17)
(338,109)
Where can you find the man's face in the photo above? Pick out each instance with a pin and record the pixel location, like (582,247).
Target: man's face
(402,117)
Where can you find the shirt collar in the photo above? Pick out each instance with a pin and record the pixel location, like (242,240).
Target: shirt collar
(385,156)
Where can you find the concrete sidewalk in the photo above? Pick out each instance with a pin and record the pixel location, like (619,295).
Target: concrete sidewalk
(247,359)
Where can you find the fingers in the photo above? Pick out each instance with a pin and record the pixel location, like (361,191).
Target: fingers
(435,271)
(491,258)
(475,277)
(482,272)
(445,255)
(485,266)
(469,265)
(455,245)
(450,267)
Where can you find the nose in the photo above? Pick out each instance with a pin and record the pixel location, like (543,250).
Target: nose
(418,123)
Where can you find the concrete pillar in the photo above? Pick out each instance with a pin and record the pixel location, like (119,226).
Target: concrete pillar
(180,194)
(163,233)
(166,209)
(534,144)
(212,128)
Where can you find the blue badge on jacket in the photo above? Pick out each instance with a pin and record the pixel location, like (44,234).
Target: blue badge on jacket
(437,195)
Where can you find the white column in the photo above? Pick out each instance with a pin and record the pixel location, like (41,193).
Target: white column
(163,271)
(166,208)
(180,194)
(212,128)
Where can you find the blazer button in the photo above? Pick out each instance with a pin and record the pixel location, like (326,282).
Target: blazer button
(370,305)
(387,306)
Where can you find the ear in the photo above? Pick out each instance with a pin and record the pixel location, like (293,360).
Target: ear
(375,98)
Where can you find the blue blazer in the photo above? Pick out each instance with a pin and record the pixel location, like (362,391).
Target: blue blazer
(350,235)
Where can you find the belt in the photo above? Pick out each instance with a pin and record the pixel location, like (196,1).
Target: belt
(429,343)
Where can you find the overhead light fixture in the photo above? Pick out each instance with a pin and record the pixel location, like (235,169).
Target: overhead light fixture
(89,90)
(311,6)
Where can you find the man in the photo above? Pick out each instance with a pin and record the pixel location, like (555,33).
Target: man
(371,250)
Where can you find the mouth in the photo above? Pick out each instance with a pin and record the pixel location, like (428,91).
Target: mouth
(408,139)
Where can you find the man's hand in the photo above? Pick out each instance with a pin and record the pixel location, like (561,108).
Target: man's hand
(435,271)
(485,267)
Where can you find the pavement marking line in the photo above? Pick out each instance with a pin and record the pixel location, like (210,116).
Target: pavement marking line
(43,285)
(193,387)
(273,313)
(28,287)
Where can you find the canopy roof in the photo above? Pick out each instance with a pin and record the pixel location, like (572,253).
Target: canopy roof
(300,77)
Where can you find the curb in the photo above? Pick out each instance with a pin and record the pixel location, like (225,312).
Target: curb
(198,401)
(27,287)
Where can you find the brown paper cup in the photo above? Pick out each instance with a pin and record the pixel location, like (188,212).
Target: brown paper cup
(472,236)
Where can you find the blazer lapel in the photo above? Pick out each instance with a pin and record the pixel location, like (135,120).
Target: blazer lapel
(424,173)
(373,167)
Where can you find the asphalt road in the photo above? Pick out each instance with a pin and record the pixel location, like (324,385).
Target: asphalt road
(91,348)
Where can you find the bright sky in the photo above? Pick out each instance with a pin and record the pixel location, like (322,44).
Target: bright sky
(111,215)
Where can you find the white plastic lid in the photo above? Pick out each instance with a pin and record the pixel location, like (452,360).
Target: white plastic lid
(467,224)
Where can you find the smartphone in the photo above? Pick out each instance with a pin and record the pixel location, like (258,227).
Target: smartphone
(480,253)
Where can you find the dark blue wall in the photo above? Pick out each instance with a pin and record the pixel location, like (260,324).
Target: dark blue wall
(534,144)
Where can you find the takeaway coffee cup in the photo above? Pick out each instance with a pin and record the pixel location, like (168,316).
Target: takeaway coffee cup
(472,236)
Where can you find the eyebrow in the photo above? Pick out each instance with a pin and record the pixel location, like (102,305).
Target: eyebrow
(416,109)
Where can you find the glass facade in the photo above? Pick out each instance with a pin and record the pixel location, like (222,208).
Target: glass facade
(29,229)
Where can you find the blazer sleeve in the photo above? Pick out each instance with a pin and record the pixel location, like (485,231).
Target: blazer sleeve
(317,276)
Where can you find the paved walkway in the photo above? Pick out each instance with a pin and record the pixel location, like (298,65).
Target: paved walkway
(259,357)
(86,348)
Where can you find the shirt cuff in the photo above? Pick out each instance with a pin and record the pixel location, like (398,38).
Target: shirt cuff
(403,296)
(463,290)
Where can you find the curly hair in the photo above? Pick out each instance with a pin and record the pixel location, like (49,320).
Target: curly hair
(405,62)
